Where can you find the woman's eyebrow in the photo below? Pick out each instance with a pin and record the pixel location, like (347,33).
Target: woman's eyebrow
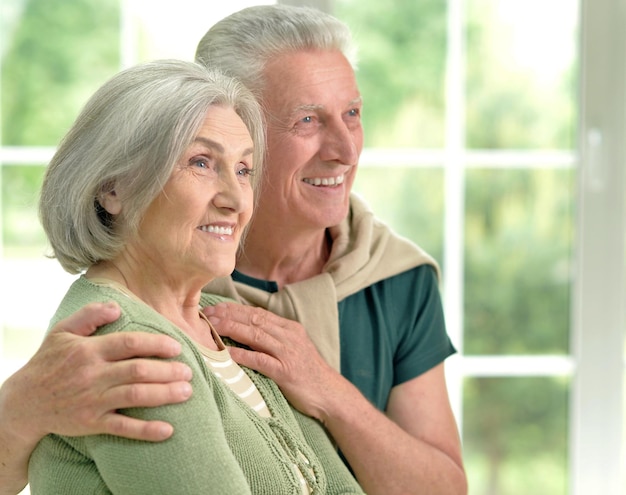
(218,147)
(209,143)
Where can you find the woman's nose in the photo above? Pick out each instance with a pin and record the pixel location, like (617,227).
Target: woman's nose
(230,194)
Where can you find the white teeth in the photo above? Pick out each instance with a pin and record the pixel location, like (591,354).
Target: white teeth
(326,181)
(217,230)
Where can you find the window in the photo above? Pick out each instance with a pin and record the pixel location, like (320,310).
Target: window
(496,128)
(480,116)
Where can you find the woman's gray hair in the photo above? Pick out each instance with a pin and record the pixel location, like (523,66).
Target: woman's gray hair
(128,138)
(244,42)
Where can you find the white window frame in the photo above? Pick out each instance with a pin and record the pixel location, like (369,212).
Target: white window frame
(599,319)
(596,364)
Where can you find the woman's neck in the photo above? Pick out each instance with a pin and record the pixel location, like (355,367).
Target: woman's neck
(180,305)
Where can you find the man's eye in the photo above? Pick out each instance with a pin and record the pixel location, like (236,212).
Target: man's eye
(355,112)
(307,119)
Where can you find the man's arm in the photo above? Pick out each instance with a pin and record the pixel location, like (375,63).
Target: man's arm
(416,443)
(413,448)
(74,385)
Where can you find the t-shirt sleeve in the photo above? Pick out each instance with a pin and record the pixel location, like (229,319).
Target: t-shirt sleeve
(423,339)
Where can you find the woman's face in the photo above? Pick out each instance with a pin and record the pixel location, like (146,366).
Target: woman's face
(193,227)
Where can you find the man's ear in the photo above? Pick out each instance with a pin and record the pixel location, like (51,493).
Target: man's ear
(110,201)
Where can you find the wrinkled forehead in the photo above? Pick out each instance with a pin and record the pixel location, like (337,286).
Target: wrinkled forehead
(317,79)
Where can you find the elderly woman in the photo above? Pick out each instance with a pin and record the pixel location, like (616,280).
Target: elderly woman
(147,197)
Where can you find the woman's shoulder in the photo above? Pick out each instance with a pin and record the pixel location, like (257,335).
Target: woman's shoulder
(208,299)
(135,314)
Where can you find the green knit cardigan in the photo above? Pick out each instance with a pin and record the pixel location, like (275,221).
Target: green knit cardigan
(219,446)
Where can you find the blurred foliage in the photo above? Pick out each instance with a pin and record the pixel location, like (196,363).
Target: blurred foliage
(518,222)
(56,57)
(518,238)
(21,229)
(419,218)
(517,97)
(401,69)
(515,435)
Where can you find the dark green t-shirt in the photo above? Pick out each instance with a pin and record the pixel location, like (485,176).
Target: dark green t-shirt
(390,332)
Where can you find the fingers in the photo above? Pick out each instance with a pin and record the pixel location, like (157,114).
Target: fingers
(115,347)
(235,312)
(142,371)
(75,383)
(261,362)
(89,401)
(100,415)
(145,395)
(88,318)
(125,426)
(278,348)
(248,315)
(125,345)
(254,327)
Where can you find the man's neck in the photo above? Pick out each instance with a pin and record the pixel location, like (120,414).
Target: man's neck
(283,259)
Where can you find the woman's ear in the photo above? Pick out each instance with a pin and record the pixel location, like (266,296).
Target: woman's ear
(110,202)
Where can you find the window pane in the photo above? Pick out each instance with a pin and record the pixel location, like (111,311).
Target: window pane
(515,435)
(22,234)
(25,269)
(55,55)
(518,237)
(521,73)
(161,31)
(410,199)
(23,322)
(401,69)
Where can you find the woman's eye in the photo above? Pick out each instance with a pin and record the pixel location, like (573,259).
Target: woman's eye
(201,162)
(245,171)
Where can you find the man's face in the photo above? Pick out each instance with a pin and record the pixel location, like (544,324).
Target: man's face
(315,137)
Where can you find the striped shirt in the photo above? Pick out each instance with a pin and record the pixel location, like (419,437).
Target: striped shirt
(222,366)
(227,370)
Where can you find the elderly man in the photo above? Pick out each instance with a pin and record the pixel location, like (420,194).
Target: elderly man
(314,253)
(360,341)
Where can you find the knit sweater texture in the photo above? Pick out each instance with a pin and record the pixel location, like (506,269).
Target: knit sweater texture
(219,446)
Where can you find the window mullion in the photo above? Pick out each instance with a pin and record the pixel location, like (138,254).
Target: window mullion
(599,293)
(454,185)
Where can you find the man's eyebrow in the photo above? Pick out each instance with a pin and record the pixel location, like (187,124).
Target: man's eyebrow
(313,107)
(218,147)
(307,108)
